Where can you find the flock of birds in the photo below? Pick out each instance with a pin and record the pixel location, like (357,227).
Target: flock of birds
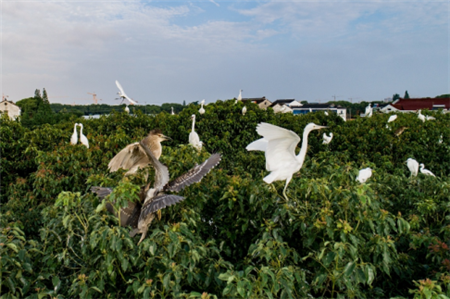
(277,143)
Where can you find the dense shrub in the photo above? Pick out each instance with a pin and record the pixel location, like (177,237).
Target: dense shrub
(233,235)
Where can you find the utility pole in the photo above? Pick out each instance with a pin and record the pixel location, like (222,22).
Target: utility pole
(334,97)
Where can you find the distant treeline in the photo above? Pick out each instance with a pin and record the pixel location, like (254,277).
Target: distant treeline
(107,109)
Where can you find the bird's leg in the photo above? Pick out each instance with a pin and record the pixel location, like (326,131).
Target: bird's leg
(285,187)
(142,237)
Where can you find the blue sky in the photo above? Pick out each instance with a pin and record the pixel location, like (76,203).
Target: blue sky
(175,51)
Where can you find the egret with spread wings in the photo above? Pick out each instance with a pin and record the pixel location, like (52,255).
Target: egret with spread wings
(279,146)
(133,156)
(123,96)
(140,215)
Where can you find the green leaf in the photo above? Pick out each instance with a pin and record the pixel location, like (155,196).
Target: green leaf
(348,270)
(240,288)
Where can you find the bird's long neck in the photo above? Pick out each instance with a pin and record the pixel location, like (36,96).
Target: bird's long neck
(154,145)
(75,129)
(81,130)
(301,156)
(193,124)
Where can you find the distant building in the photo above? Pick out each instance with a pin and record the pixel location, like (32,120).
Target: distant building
(412,105)
(10,108)
(263,103)
(285,105)
(314,107)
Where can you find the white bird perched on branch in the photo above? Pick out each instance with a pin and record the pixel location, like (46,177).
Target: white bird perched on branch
(413,166)
(427,117)
(83,138)
(202,110)
(421,116)
(326,113)
(139,215)
(173,113)
(364,175)
(425,171)
(194,139)
(133,156)
(74,138)
(239,98)
(392,118)
(369,111)
(279,146)
(244,110)
(327,139)
(127,110)
(122,94)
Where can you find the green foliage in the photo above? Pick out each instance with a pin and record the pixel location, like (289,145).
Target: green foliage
(233,236)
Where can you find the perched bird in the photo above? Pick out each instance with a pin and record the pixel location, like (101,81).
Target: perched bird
(279,146)
(139,215)
(310,110)
(326,113)
(425,171)
(133,156)
(413,166)
(127,110)
(173,113)
(441,139)
(239,98)
(202,110)
(392,118)
(123,96)
(74,138)
(244,110)
(83,138)
(399,131)
(427,117)
(327,139)
(421,116)
(369,111)
(194,139)
(364,175)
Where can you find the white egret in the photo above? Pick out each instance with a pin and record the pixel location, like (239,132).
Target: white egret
(133,156)
(392,118)
(83,138)
(326,113)
(310,110)
(369,111)
(244,110)
(194,139)
(440,139)
(421,116)
(427,117)
(127,110)
(74,138)
(425,171)
(327,139)
(413,166)
(279,146)
(202,110)
(122,94)
(364,175)
(173,113)
(139,215)
(239,98)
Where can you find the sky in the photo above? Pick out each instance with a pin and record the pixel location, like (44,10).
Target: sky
(175,51)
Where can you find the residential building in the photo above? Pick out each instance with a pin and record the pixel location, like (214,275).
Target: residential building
(314,107)
(10,108)
(263,103)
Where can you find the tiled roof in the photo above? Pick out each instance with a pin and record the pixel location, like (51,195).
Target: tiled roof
(421,103)
(255,100)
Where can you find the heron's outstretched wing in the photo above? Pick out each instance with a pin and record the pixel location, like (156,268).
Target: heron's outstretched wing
(120,87)
(131,157)
(281,144)
(158,203)
(194,175)
(258,145)
(161,171)
(128,215)
(101,192)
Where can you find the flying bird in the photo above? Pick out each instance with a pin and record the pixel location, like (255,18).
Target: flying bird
(123,96)
(413,166)
(279,146)
(74,138)
(83,138)
(244,110)
(202,110)
(327,139)
(364,175)
(139,215)
(133,156)
(425,171)
(194,139)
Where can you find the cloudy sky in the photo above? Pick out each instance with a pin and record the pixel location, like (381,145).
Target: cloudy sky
(170,51)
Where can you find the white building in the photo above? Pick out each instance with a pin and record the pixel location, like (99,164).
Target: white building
(10,108)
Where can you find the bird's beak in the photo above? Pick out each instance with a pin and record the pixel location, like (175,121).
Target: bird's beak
(321,127)
(164,137)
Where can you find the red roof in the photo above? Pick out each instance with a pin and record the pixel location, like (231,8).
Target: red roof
(421,103)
